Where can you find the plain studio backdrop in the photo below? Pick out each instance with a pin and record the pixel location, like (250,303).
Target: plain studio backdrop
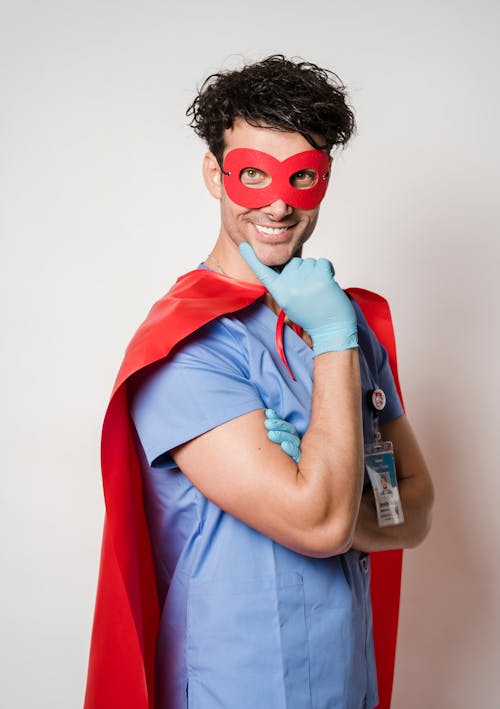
(103,206)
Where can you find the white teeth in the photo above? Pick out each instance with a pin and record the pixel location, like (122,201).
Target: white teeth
(270,230)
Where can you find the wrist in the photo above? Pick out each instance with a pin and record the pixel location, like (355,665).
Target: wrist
(330,340)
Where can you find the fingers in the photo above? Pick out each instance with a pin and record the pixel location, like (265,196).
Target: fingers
(291,450)
(265,274)
(276,424)
(283,436)
(323,264)
(289,442)
(284,433)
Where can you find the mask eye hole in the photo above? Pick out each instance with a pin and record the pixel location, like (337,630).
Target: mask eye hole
(254,178)
(304,179)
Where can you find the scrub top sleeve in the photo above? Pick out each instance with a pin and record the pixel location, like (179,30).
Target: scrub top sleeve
(202,385)
(393,408)
(378,361)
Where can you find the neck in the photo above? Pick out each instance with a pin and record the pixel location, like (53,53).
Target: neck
(214,264)
(225,258)
(232,265)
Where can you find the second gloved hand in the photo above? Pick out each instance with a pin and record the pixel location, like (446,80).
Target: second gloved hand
(309,294)
(284,433)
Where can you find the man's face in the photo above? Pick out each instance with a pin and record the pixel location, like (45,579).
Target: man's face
(278,230)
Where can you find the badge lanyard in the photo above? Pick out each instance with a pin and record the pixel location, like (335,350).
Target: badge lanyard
(381,468)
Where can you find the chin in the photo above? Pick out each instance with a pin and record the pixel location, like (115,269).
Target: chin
(276,255)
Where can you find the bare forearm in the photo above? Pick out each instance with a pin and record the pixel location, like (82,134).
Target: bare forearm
(415,489)
(416,500)
(330,473)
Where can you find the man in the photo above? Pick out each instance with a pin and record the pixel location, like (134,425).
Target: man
(261,566)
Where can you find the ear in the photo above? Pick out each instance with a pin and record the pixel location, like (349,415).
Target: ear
(212,175)
(330,169)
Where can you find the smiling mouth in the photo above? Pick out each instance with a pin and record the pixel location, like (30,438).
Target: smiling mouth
(271,231)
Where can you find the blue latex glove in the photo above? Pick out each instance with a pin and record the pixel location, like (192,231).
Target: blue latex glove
(312,298)
(284,433)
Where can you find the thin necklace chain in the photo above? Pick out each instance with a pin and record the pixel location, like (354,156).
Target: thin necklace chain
(211,258)
(303,335)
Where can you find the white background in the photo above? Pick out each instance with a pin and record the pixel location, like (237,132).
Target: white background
(103,206)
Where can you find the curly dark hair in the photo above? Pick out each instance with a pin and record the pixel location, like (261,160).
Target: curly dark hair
(279,93)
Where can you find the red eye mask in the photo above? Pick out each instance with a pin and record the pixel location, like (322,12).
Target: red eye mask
(280,178)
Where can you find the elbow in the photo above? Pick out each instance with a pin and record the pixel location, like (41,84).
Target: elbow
(420,518)
(327,525)
(329,539)
(423,518)
(420,532)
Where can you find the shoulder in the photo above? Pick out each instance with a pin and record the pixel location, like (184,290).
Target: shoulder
(367,339)
(203,383)
(374,323)
(218,348)
(226,337)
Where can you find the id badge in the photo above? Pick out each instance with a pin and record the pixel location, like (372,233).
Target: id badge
(381,468)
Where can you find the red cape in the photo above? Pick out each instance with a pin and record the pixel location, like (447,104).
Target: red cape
(121,666)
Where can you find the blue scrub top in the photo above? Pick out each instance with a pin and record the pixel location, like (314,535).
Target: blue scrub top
(246,622)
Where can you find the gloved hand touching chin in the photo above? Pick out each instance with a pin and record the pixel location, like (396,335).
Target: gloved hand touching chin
(312,298)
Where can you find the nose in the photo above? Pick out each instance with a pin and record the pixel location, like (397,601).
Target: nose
(278,210)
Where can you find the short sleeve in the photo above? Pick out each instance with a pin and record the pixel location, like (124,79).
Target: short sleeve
(393,408)
(378,362)
(203,384)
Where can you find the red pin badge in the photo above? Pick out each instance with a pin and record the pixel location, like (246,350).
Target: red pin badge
(378,399)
